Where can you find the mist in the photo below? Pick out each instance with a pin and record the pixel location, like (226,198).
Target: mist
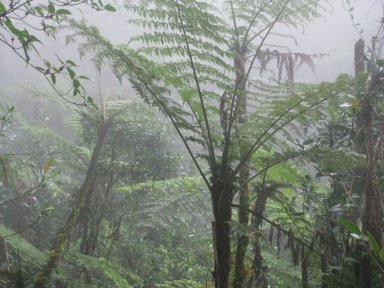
(191,144)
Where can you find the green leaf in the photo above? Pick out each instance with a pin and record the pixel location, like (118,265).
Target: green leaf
(356,236)
(63,12)
(33,38)
(39,10)
(76,83)
(381,255)
(372,241)
(352,227)
(21,35)
(2,8)
(51,8)
(71,73)
(71,63)
(47,210)
(41,69)
(110,8)
(53,78)
(355,105)
(107,268)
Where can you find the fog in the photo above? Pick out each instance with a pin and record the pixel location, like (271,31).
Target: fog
(220,165)
(334,34)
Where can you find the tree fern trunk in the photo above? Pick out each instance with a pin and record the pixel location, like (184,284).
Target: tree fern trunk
(244,201)
(43,276)
(243,239)
(304,268)
(324,271)
(221,201)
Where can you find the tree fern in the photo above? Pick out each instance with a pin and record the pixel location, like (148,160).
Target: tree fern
(196,50)
(102,265)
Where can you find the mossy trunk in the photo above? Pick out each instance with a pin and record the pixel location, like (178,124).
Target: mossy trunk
(92,214)
(42,278)
(372,219)
(242,239)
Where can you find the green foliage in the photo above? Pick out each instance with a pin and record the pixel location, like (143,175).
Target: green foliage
(180,284)
(198,71)
(280,270)
(167,230)
(148,216)
(31,257)
(373,245)
(102,265)
(181,183)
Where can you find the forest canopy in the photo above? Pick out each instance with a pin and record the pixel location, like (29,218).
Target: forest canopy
(187,152)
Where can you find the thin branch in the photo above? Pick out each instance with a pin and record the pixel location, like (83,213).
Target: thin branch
(46,77)
(24,193)
(245,42)
(259,33)
(5,13)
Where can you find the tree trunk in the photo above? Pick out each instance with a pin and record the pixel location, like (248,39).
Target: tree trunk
(92,214)
(243,239)
(372,213)
(222,198)
(304,268)
(244,201)
(359,57)
(43,276)
(259,278)
(371,209)
(324,271)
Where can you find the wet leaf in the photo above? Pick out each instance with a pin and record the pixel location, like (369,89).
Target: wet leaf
(110,8)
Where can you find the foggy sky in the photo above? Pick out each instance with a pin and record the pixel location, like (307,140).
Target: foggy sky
(333,34)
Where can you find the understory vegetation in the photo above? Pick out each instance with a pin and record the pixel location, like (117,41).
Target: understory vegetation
(212,168)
